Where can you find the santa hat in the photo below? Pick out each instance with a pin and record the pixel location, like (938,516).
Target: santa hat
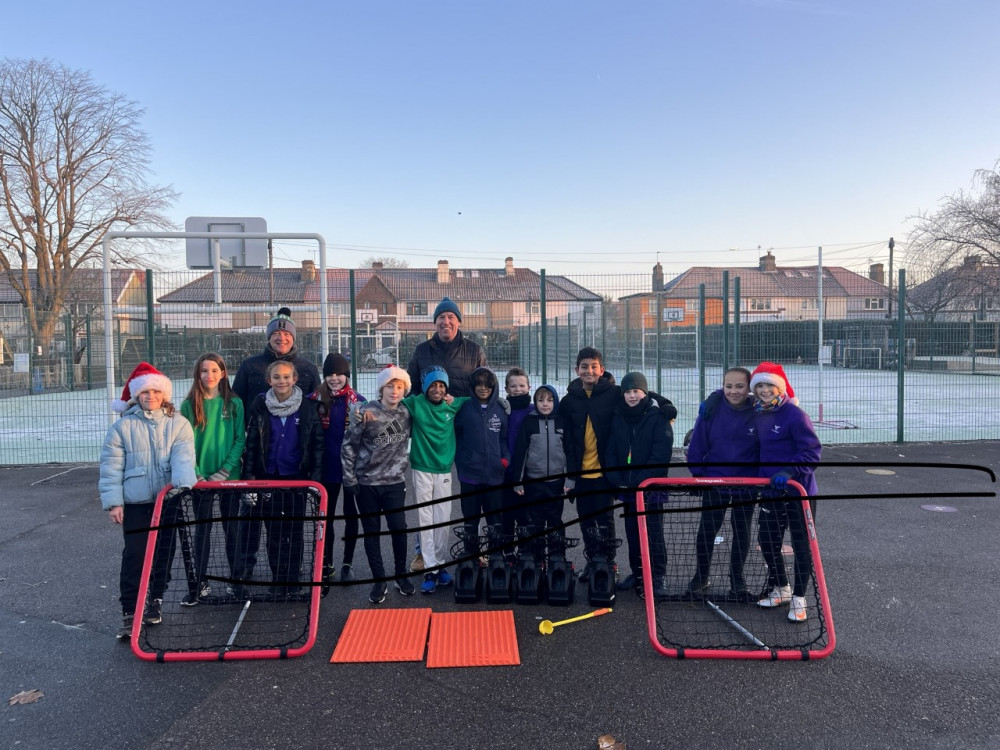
(392,372)
(769,372)
(143,377)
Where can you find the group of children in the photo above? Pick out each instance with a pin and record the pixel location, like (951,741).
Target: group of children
(516,459)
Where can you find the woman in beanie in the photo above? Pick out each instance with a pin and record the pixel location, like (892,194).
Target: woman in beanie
(151,446)
(336,402)
(789,449)
(640,446)
(251,378)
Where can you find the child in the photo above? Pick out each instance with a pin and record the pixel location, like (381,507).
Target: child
(284,441)
(375,460)
(432,452)
(518,389)
(542,452)
(216,414)
(725,434)
(336,401)
(786,437)
(642,440)
(150,447)
(481,456)
(588,408)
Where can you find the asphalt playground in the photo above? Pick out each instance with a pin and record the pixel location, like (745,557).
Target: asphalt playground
(911,567)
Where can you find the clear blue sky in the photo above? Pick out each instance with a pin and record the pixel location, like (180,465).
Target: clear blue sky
(577,136)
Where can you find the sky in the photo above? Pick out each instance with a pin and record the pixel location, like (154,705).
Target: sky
(575,136)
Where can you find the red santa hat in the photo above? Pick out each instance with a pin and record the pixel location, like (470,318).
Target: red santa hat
(774,374)
(392,372)
(143,377)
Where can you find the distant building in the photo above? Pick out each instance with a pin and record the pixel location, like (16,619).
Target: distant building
(969,291)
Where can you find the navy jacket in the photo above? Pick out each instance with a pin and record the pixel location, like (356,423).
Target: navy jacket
(459,357)
(576,407)
(641,437)
(481,441)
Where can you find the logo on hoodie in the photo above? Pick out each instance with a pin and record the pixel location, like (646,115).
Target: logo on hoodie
(391,433)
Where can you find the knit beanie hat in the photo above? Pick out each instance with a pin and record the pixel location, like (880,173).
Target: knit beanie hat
(392,372)
(433,374)
(446,305)
(281,322)
(143,377)
(336,364)
(774,374)
(633,380)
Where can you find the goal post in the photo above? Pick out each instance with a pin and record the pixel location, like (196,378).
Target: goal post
(237,569)
(725,543)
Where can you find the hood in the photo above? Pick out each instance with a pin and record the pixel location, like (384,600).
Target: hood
(555,397)
(496,388)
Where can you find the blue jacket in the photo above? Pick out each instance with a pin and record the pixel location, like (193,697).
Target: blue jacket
(142,453)
(787,435)
(641,437)
(481,438)
(722,435)
(520,408)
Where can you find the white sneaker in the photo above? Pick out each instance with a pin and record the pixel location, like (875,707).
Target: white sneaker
(779,595)
(797,612)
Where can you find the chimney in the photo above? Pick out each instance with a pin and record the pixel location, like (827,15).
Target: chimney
(767,263)
(377,265)
(657,278)
(308,273)
(508,265)
(443,276)
(876,272)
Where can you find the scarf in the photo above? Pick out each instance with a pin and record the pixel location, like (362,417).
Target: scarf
(284,408)
(760,407)
(519,402)
(326,397)
(634,413)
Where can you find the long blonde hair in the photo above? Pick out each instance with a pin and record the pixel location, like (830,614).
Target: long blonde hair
(197,394)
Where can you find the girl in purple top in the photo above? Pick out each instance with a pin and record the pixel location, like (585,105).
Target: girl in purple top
(786,437)
(725,438)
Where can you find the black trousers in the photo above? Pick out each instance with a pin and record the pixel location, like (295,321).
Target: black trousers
(137,519)
(654,530)
(229,510)
(594,508)
(740,519)
(775,518)
(375,501)
(479,499)
(351,522)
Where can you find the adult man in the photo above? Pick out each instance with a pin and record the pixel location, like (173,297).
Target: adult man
(449,349)
(251,378)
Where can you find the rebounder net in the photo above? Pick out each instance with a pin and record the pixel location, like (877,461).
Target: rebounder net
(231,571)
(713,549)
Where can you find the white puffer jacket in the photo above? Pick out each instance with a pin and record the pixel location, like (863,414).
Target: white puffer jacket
(143,452)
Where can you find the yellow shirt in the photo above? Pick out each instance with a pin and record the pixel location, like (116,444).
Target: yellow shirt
(590,458)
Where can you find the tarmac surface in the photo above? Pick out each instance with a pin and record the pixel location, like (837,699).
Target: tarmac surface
(913,593)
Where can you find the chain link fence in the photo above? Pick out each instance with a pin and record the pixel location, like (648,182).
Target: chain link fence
(864,375)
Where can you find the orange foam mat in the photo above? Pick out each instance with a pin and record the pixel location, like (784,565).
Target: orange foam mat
(383,635)
(473,639)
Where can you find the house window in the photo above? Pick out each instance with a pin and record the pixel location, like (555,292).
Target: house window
(875,303)
(810,304)
(533,308)
(385,308)
(10,312)
(651,306)
(691,305)
(760,304)
(416,308)
(474,308)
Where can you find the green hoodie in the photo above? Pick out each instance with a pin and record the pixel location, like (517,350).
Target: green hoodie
(432,447)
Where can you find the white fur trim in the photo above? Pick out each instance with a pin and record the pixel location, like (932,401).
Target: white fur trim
(155,381)
(771,378)
(392,372)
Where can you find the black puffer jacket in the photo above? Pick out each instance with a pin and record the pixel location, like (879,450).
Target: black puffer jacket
(251,378)
(259,438)
(459,357)
(600,406)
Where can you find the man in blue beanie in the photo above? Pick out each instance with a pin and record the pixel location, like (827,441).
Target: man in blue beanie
(449,349)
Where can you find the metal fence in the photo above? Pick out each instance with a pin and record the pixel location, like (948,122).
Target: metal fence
(862,377)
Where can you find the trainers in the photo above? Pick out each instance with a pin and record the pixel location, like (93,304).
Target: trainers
(445,578)
(430,584)
(346,573)
(154,612)
(125,631)
(191,600)
(779,595)
(630,582)
(698,584)
(417,564)
(405,586)
(584,574)
(660,587)
(377,594)
(797,612)
(329,573)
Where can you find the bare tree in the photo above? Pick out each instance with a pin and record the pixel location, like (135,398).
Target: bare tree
(73,166)
(387,261)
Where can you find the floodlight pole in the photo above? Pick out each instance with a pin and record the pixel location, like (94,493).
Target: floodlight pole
(109,360)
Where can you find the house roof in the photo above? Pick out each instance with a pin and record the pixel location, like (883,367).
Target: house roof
(784,281)
(404,284)
(86,285)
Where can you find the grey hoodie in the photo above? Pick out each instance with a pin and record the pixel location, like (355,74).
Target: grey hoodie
(376,452)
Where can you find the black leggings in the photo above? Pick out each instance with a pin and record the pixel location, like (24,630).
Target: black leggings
(374,501)
(350,514)
(775,517)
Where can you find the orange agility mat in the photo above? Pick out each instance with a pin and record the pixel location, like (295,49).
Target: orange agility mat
(473,639)
(383,635)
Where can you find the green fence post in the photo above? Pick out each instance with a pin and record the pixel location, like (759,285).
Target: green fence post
(70,351)
(555,347)
(150,337)
(354,327)
(659,326)
(544,324)
(604,328)
(736,321)
(90,377)
(725,320)
(628,338)
(900,349)
(701,343)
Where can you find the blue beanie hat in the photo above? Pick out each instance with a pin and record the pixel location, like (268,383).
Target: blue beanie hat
(433,374)
(446,305)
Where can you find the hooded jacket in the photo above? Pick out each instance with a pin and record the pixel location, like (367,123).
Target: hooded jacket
(251,378)
(481,440)
(723,434)
(786,434)
(374,452)
(600,407)
(543,446)
(143,452)
(641,440)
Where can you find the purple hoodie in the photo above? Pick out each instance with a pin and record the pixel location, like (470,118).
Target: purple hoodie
(787,434)
(725,435)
